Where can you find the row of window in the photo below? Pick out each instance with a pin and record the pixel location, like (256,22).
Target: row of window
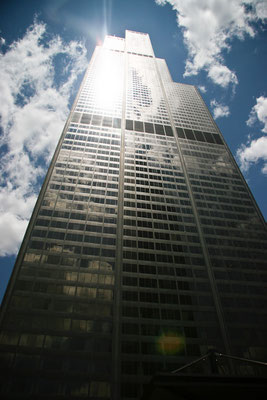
(165,217)
(71,138)
(148,127)
(165,270)
(72,226)
(234,243)
(153,312)
(222,200)
(92,199)
(92,293)
(225,215)
(158,207)
(171,248)
(129,328)
(96,120)
(44,386)
(215,178)
(82,149)
(159,225)
(234,253)
(170,347)
(88,189)
(199,136)
(91,343)
(46,212)
(89,251)
(233,263)
(165,258)
(161,235)
(100,271)
(243,233)
(233,194)
(226,207)
(91,264)
(170,284)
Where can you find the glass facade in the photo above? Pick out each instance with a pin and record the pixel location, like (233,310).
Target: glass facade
(145,248)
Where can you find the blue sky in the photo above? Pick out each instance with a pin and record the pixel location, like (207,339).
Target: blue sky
(217,45)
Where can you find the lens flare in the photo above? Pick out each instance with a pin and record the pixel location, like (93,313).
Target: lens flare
(170,343)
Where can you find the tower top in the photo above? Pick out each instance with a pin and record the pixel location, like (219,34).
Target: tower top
(134,42)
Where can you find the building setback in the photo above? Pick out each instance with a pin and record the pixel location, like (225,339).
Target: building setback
(145,249)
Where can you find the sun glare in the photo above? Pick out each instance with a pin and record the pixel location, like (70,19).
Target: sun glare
(108,84)
(170,343)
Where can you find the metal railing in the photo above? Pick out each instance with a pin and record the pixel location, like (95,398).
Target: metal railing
(218,363)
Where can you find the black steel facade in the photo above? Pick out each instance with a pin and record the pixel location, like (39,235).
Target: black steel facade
(145,248)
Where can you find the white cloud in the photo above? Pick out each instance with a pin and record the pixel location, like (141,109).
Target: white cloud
(13,228)
(219,110)
(255,151)
(34,105)
(261,9)
(202,88)
(222,75)
(208,28)
(259,112)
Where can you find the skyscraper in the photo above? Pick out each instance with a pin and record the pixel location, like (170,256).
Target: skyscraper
(145,248)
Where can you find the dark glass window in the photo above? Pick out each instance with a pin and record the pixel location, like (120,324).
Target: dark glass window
(199,136)
(42,222)
(190,331)
(130,311)
(129,124)
(129,267)
(169,298)
(159,129)
(168,130)
(170,314)
(92,239)
(86,118)
(208,137)
(129,368)
(131,329)
(189,134)
(56,235)
(147,269)
(129,389)
(217,138)
(149,312)
(149,297)
(149,128)
(91,251)
(38,233)
(76,117)
(129,281)
(107,121)
(70,236)
(129,296)
(180,132)
(116,123)
(193,349)
(138,126)
(51,259)
(167,284)
(108,252)
(146,282)
(96,120)
(186,300)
